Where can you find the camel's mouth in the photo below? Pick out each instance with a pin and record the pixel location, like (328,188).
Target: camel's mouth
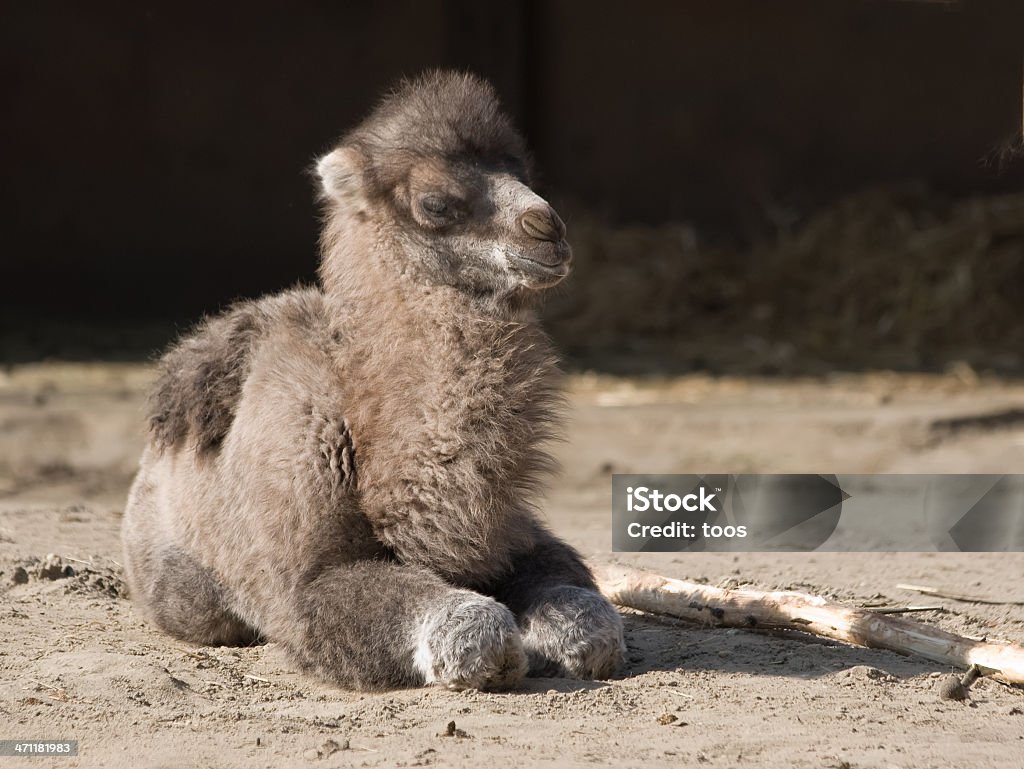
(551,256)
(544,267)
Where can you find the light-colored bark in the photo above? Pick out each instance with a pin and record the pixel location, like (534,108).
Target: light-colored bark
(757,609)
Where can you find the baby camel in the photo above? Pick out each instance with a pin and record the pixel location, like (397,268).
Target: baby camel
(351,470)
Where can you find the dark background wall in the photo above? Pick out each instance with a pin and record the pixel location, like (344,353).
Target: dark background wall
(715,111)
(156,154)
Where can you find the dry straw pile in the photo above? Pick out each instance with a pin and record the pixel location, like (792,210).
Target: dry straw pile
(889,278)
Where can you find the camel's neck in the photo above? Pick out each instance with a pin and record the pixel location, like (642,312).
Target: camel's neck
(392,318)
(417,344)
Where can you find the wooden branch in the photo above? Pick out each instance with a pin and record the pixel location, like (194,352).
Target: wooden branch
(957,596)
(754,609)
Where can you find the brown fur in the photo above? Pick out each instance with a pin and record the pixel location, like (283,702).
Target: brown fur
(341,466)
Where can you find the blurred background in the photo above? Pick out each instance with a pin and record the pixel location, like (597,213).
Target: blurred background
(751,187)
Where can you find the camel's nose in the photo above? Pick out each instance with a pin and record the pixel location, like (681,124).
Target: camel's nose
(542,223)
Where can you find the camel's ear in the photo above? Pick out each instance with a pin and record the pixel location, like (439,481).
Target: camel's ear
(340,173)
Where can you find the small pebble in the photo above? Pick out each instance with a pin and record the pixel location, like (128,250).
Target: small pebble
(330,747)
(453,731)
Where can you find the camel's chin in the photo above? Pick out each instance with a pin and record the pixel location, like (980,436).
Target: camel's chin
(538,276)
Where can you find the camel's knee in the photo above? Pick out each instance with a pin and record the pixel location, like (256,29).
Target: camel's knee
(186,600)
(377,625)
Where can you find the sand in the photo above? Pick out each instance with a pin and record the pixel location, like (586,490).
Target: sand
(77,662)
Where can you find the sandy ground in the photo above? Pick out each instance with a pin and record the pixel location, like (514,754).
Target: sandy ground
(76,662)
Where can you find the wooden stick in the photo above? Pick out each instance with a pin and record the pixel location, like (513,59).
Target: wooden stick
(957,596)
(900,609)
(755,609)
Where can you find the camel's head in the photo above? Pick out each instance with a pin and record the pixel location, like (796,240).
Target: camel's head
(438,172)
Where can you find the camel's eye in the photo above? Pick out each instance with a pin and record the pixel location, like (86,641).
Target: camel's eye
(439,209)
(435,205)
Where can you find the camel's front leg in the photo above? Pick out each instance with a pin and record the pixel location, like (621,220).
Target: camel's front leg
(569,628)
(380,625)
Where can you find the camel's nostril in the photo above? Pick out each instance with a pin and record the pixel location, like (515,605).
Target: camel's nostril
(543,224)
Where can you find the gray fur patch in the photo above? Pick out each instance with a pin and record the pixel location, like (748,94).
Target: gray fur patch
(470,642)
(187,601)
(573,632)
